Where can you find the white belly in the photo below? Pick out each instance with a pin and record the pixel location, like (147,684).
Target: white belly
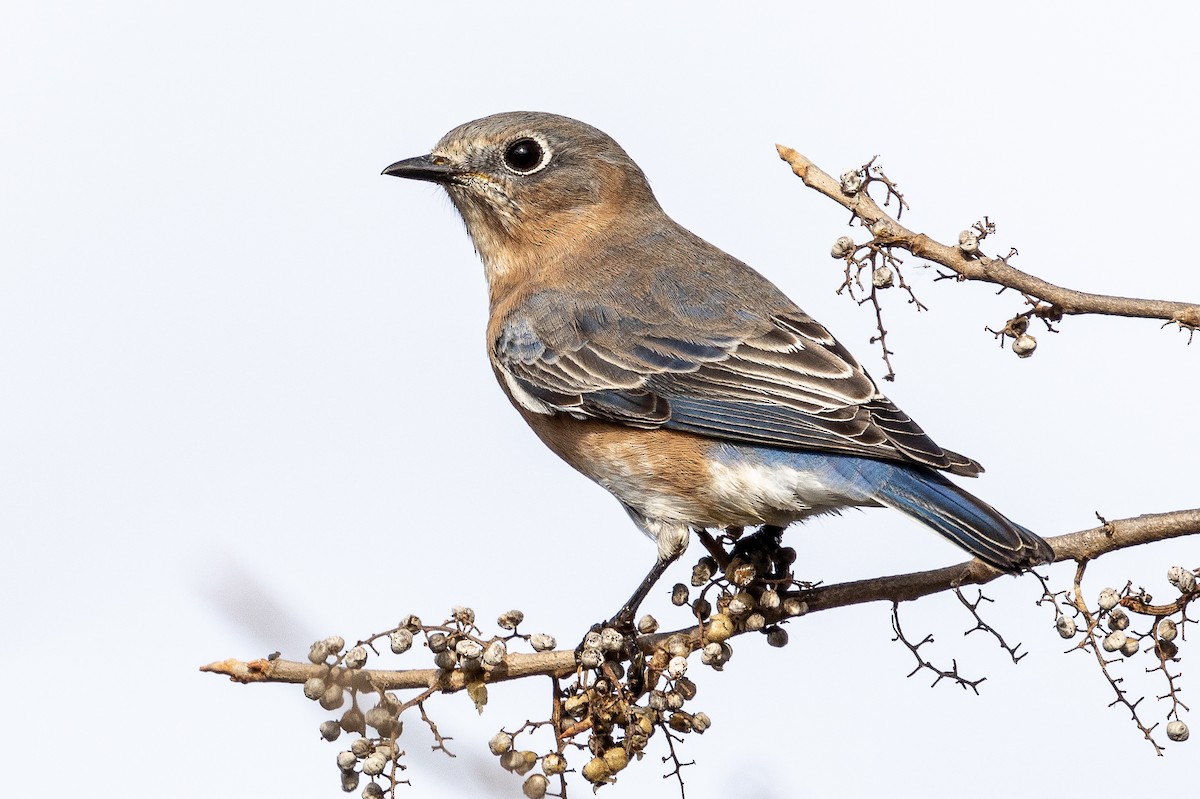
(748,493)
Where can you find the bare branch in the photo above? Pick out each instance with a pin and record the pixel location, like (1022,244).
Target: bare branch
(1083,545)
(978,267)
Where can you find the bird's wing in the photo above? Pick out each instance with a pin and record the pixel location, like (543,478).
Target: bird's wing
(786,383)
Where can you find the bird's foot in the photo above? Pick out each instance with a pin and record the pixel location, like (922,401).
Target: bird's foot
(763,553)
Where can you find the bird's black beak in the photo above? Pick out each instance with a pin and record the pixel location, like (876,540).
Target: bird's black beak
(433,168)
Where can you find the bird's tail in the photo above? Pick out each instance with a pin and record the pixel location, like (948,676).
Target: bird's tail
(968,521)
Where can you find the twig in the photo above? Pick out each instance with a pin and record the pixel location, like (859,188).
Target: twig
(983,626)
(922,663)
(1090,642)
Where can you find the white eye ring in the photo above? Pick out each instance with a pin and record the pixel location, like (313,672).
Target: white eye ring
(526,154)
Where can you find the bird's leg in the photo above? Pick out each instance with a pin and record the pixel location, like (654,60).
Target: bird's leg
(672,541)
(622,621)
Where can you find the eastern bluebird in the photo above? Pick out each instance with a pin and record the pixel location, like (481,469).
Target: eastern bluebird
(671,373)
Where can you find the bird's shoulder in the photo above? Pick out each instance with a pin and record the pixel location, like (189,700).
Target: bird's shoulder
(652,278)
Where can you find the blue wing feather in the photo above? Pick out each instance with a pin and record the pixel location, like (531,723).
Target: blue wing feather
(782,381)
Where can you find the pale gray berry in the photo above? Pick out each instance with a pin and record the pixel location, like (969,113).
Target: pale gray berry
(494,654)
(382,719)
(1024,346)
(535,786)
(1167,630)
(1177,730)
(314,688)
(500,743)
(713,655)
(445,660)
(591,658)
(1109,599)
(374,765)
(679,646)
(318,653)
(611,640)
(794,607)
(741,575)
(1130,647)
(701,722)
(349,780)
(360,747)
(541,642)
(553,764)
(647,624)
(463,615)
(528,761)
(851,181)
(438,642)
(679,594)
(356,658)
(1183,579)
(1066,626)
(1118,619)
(411,623)
(373,790)
(518,761)
(968,242)
(677,667)
(883,277)
(842,247)
(400,641)
(333,697)
(468,649)
(346,761)
(1114,641)
(353,721)
(738,606)
(510,619)
(330,730)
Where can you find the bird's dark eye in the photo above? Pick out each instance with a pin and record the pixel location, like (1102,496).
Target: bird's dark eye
(524,156)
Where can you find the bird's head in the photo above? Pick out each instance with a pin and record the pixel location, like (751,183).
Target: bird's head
(527,182)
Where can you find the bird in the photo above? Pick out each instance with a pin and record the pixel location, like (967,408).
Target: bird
(671,373)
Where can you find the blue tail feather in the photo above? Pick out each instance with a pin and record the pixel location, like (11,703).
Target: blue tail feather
(968,521)
(921,492)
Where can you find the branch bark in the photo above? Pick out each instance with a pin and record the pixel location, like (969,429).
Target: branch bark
(1080,546)
(981,268)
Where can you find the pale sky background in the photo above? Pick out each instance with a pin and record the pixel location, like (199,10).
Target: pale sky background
(245,401)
